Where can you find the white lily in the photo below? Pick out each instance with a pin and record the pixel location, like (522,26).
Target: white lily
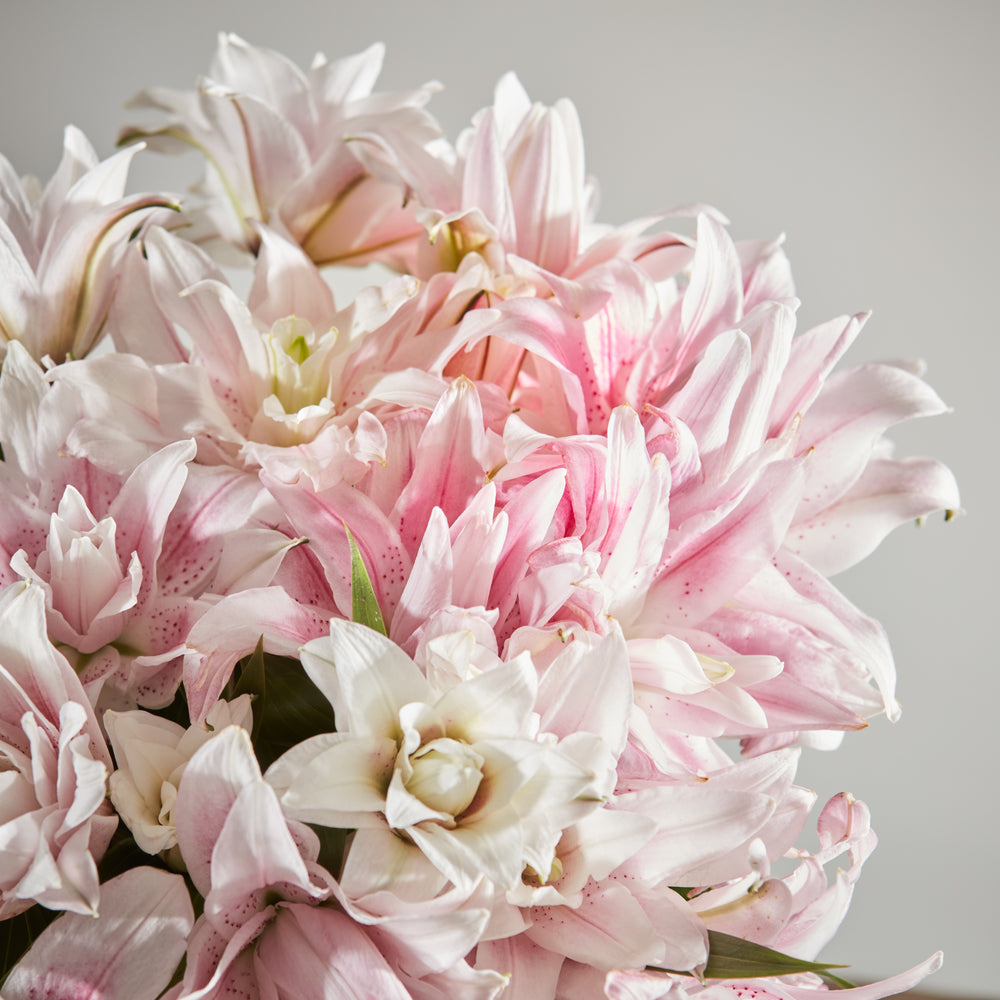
(452,763)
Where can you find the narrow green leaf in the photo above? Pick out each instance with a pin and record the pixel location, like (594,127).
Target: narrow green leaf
(252,681)
(731,957)
(837,981)
(332,847)
(293,710)
(364,603)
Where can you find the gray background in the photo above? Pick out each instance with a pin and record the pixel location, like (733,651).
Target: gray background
(868,133)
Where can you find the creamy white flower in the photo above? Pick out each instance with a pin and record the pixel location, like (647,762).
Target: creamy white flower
(453,762)
(152,754)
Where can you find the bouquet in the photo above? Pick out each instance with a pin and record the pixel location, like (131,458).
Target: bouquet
(457,638)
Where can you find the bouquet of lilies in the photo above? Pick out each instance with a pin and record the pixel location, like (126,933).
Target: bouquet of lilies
(450,640)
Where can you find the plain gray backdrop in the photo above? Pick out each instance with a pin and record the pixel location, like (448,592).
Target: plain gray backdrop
(867,132)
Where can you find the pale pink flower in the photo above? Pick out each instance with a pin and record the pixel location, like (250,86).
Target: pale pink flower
(569,530)
(269,928)
(799,913)
(580,911)
(607,902)
(796,915)
(122,556)
(55,822)
(129,951)
(100,579)
(60,248)
(519,188)
(316,154)
(152,753)
(266,381)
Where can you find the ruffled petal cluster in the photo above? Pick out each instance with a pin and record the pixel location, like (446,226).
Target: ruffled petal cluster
(55,822)
(319,154)
(455,640)
(61,246)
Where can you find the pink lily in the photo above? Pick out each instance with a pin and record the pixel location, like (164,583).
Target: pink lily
(55,822)
(317,155)
(128,952)
(60,254)
(266,931)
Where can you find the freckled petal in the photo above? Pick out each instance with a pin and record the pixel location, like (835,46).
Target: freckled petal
(254,850)
(129,952)
(211,783)
(608,929)
(320,953)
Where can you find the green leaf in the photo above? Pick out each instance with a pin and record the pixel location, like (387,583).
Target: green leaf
(253,681)
(731,957)
(364,603)
(838,983)
(332,847)
(177,711)
(293,710)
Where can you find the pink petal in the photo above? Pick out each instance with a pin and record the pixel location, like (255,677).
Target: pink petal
(129,952)
(811,358)
(893,986)
(287,283)
(886,494)
(608,929)
(758,916)
(210,786)
(429,587)
(321,953)
(254,851)
(713,301)
(450,466)
(231,628)
(545,161)
(588,689)
(141,509)
(321,517)
(705,402)
(699,827)
(707,566)
(484,181)
(769,330)
(850,414)
(798,594)
(533,969)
